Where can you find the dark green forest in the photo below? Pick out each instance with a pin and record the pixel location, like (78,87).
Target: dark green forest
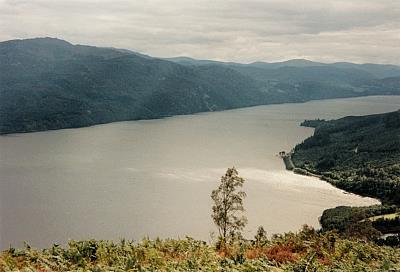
(357,154)
(360,154)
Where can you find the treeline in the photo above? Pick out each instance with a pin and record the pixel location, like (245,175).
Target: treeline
(387,225)
(343,217)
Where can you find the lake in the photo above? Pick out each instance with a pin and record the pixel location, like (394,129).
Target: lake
(154,178)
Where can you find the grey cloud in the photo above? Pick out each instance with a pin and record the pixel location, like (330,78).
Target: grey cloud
(234,30)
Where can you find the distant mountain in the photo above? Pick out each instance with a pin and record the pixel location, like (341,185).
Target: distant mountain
(321,79)
(289,74)
(195,62)
(47,83)
(376,70)
(288,63)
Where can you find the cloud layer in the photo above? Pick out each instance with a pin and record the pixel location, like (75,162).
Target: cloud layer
(231,30)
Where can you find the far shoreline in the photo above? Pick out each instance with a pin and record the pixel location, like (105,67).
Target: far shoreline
(166,117)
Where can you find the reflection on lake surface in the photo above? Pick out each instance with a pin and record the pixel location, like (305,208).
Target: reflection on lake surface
(131,179)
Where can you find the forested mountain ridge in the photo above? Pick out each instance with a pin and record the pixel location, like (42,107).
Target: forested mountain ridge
(360,154)
(51,84)
(47,83)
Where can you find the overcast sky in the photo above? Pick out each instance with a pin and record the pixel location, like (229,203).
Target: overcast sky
(231,30)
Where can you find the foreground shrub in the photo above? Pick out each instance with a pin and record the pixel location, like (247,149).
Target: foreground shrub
(306,250)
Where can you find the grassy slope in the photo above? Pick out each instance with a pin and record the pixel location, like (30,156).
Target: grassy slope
(384,216)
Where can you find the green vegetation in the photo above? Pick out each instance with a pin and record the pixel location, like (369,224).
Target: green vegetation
(307,250)
(360,155)
(357,154)
(363,222)
(51,84)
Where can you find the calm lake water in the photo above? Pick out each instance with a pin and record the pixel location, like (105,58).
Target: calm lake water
(132,179)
